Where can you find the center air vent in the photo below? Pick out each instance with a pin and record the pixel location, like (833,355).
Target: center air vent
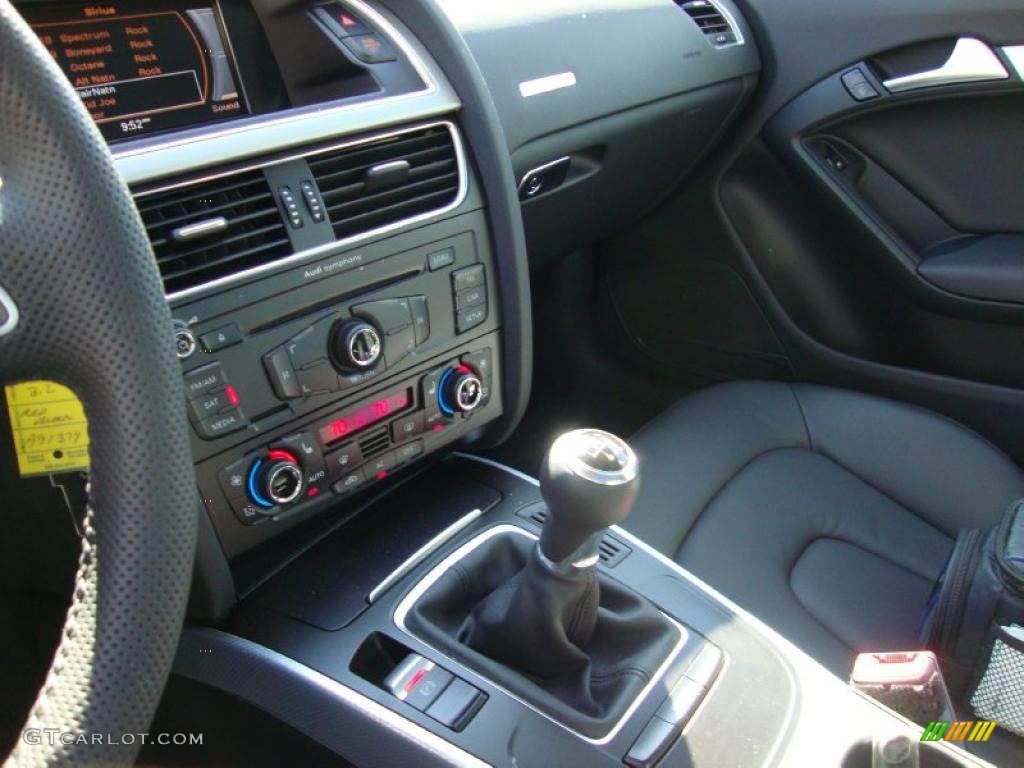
(711,20)
(373,185)
(212,229)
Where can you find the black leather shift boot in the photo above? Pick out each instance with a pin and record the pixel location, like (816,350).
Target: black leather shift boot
(537,635)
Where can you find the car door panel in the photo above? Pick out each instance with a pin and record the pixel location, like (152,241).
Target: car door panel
(899,271)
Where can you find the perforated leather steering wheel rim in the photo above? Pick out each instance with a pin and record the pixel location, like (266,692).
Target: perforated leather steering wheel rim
(86,308)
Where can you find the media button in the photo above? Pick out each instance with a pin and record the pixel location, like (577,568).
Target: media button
(222,424)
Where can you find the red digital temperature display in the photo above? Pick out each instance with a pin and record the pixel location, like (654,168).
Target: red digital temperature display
(364,417)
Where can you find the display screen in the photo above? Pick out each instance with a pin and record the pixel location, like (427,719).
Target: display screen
(141,68)
(364,417)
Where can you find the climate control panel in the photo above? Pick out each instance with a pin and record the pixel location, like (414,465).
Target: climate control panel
(359,445)
(310,386)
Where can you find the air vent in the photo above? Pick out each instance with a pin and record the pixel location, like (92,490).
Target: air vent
(711,20)
(611,550)
(372,185)
(212,229)
(374,442)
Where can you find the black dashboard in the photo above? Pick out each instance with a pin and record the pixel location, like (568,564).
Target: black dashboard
(336,192)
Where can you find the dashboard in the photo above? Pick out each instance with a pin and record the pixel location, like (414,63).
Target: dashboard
(345,200)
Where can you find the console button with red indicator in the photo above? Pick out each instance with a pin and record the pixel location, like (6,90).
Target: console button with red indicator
(213,403)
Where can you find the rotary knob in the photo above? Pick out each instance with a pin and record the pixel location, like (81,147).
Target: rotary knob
(275,479)
(460,390)
(354,346)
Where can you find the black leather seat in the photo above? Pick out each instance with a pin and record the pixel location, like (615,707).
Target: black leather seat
(826,513)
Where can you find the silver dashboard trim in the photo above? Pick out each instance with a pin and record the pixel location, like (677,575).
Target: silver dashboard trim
(971,61)
(402,612)
(337,245)
(200,228)
(11,322)
(547,84)
(303,125)
(1015,53)
(422,554)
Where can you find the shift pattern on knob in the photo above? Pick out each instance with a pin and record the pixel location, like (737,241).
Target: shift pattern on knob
(598,456)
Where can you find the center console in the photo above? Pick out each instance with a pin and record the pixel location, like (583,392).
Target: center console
(362,646)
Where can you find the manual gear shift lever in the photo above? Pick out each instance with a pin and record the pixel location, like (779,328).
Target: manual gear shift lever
(589,479)
(539,617)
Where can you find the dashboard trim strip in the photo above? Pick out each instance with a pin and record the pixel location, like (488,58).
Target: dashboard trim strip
(540,85)
(422,554)
(11,310)
(337,245)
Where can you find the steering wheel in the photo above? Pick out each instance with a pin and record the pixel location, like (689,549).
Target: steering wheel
(83,305)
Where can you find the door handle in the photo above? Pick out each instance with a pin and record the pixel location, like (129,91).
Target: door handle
(970,62)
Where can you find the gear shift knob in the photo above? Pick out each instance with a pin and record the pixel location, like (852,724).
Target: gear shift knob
(589,480)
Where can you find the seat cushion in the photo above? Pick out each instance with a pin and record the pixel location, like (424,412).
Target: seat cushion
(828,514)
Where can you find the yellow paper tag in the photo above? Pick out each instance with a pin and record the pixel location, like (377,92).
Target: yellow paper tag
(50,430)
